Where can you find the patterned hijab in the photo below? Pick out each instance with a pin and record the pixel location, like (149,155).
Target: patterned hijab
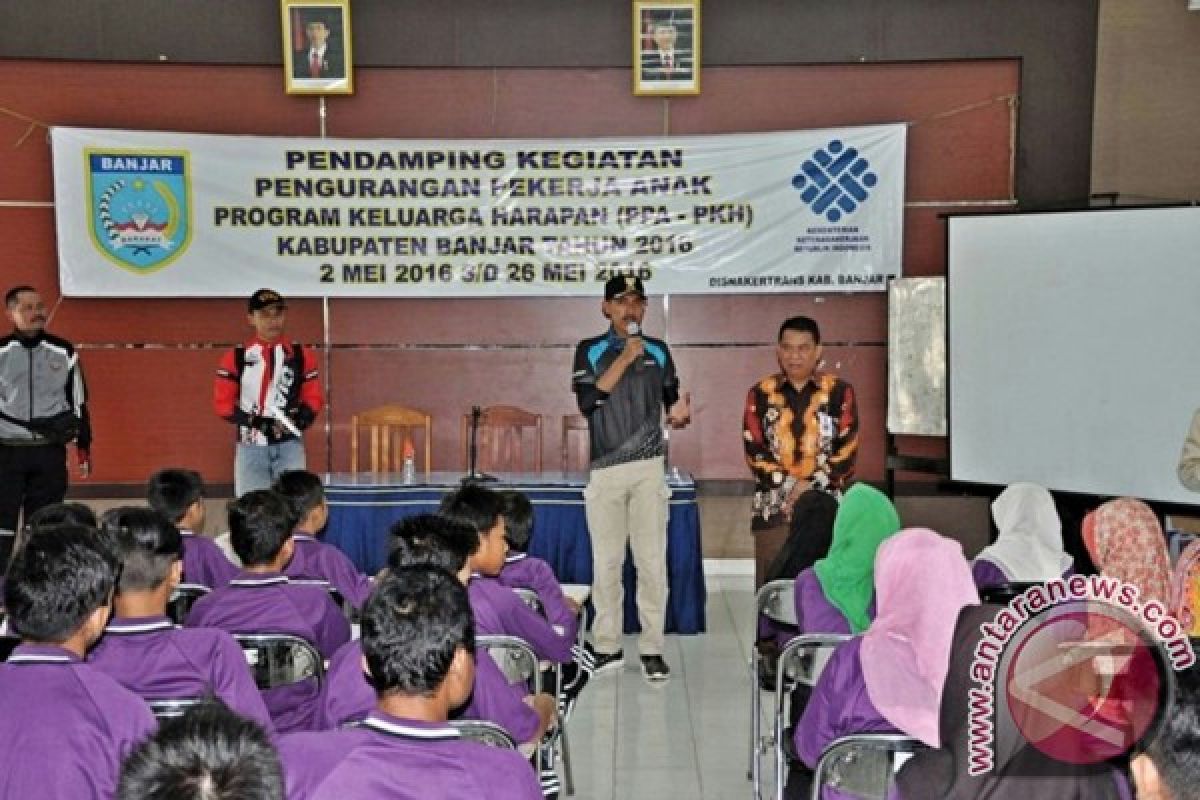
(1125,541)
(1029,547)
(847,575)
(906,651)
(1185,589)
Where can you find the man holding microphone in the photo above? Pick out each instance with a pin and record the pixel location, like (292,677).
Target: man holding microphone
(622,382)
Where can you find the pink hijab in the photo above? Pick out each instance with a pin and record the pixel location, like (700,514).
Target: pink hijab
(906,651)
(1125,541)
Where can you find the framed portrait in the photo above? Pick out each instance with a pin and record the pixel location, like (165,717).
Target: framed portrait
(666,47)
(316,47)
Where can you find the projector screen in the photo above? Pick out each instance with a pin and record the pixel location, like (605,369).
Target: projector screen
(1074,349)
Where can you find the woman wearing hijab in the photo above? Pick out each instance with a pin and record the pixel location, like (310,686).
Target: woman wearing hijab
(809,540)
(836,595)
(1185,589)
(1126,542)
(890,679)
(1029,548)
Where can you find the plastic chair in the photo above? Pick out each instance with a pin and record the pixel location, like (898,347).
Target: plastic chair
(863,765)
(8,643)
(530,598)
(489,733)
(801,662)
(281,659)
(389,427)
(174,708)
(518,662)
(574,424)
(182,600)
(501,438)
(776,601)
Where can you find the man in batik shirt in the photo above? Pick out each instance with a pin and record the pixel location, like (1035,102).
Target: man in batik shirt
(801,432)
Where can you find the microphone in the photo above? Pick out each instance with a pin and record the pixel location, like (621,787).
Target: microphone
(633,329)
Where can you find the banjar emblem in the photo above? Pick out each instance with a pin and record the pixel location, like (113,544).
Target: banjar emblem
(140,206)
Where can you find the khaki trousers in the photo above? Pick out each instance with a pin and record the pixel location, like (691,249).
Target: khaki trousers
(627,505)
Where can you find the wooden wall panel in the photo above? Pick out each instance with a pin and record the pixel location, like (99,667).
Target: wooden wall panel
(449,354)
(719,379)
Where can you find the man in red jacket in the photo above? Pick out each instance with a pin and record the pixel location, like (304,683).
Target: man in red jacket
(269,389)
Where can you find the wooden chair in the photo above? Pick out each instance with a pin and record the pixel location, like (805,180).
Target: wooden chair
(501,440)
(574,424)
(389,427)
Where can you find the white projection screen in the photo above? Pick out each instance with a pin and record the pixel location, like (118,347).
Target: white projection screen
(1074,349)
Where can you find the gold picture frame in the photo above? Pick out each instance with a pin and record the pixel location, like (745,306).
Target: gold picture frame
(666,47)
(317,52)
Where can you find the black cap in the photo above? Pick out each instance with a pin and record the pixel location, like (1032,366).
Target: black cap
(620,285)
(264,298)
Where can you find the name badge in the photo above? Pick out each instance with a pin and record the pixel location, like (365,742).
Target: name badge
(826,423)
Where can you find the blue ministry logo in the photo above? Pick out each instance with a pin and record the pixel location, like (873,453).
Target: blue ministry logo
(834,181)
(140,211)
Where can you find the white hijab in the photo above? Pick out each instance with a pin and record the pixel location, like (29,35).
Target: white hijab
(1029,547)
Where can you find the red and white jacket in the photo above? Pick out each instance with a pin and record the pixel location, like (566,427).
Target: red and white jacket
(259,381)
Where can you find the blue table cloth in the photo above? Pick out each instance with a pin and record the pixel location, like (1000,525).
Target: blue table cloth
(363,507)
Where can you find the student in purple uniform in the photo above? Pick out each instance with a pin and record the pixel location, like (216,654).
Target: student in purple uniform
(523,571)
(260,600)
(142,650)
(497,608)
(313,559)
(890,679)
(179,495)
(417,640)
(210,753)
(50,516)
(1029,547)
(836,594)
(65,725)
(431,540)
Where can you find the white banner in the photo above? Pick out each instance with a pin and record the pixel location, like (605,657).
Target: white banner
(174,214)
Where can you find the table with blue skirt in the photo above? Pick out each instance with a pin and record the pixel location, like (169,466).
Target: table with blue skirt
(363,507)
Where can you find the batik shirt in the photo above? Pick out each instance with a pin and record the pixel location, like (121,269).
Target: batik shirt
(790,435)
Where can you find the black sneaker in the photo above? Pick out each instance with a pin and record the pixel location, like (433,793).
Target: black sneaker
(608,662)
(655,669)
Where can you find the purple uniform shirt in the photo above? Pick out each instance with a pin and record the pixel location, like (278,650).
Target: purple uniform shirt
(265,602)
(347,697)
(814,612)
(397,758)
(204,562)
(65,726)
(839,706)
(987,573)
(523,571)
(316,560)
(152,658)
(498,610)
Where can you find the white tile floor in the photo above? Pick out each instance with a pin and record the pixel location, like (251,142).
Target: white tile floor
(687,739)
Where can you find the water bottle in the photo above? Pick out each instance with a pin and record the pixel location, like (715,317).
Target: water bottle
(410,470)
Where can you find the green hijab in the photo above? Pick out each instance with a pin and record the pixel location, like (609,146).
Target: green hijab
(864,520)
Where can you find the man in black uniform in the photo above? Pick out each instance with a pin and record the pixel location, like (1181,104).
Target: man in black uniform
(41,410)
(622,383)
